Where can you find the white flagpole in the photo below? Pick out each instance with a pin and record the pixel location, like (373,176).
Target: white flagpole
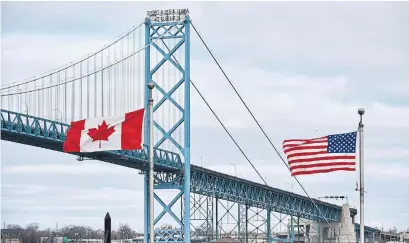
(361,112)
(151,199)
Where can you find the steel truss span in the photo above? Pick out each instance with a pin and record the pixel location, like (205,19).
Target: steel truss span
(43,133)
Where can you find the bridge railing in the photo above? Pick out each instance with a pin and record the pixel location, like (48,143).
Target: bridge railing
(31,127)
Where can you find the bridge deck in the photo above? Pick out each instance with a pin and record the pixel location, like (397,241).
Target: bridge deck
(48,134)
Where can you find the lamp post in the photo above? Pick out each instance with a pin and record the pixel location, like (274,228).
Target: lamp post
(25,103)
(235,169)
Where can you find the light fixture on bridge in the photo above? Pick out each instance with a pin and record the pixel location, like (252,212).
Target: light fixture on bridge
(168,15)
(335,197)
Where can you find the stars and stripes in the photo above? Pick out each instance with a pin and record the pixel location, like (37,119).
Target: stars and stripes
(321,155)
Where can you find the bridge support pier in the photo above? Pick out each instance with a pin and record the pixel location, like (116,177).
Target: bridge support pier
(201,218)
(227,221)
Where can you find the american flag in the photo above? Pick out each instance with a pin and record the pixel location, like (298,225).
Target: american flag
(321,155)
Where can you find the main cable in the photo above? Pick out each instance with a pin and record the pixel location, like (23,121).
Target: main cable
(218,119)
(94,72)
(221,123)
(258,124)
(71,64)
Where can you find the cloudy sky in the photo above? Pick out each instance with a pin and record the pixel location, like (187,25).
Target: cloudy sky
(303,68)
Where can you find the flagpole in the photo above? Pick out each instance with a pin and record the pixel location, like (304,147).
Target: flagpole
(361,112)
(151,85)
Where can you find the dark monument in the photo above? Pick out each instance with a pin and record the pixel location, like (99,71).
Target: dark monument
(107,229)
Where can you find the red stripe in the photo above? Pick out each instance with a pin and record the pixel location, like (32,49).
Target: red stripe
(329,157)
(304,148)
(72,141)
(131,137)
(301,140)
(320,165)
(306,154)
(302,144)
(321,171)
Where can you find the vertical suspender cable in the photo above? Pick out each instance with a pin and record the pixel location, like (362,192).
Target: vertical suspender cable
(88,87)
(50,101)
(80,117)
(73,95)
(126,79)
(109,82)
(133,79)
(102,83)
(57,97)
(95,85)
(42,98)
(121,81)
(115,84)
(65,96)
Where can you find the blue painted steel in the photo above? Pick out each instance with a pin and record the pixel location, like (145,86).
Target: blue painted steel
(44,133)
(169,235)
(367,229)
(186,151)
(370,234)
(162,31)
(146,128)
(253,194)
(167,208)
(291,235)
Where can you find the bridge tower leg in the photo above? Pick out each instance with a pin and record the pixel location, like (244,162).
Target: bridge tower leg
(168,42)
(201,217)
(243,223)
(268,226)
(227,221)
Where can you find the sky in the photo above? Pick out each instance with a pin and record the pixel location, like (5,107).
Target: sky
(303,68)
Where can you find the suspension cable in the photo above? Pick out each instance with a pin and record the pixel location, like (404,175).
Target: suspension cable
(221,123)
(258,124)
(96,71)
(218,119)
(17,83)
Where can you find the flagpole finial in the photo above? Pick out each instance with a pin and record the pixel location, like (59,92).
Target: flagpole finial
(361,111)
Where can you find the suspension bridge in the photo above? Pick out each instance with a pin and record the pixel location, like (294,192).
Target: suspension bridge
(112,81)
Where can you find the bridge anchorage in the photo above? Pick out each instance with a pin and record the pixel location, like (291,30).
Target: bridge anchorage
(205,205)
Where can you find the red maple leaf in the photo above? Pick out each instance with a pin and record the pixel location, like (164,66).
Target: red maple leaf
(101,133)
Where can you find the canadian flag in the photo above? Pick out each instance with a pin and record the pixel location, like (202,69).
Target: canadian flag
(109,133)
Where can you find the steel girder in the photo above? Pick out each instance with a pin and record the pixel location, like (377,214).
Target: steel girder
(230,188)
(44,133)
(39,132)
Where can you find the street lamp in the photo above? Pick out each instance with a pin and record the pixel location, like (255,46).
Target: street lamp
(235,169)
(335,197)
(26,106)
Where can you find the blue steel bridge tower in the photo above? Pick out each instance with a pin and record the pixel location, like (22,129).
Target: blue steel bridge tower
(167,65)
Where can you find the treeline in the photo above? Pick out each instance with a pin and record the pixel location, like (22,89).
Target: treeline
(32,233)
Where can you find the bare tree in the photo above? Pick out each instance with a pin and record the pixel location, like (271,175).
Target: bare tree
(125,232)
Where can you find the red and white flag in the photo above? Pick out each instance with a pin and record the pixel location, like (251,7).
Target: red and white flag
(107,133)
(321,155)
